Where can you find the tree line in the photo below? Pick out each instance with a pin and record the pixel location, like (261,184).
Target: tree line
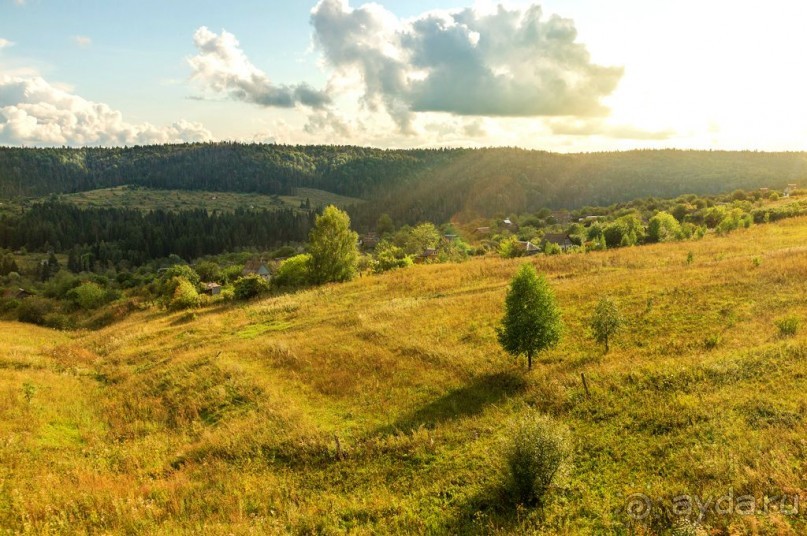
(110,236)
(409,185)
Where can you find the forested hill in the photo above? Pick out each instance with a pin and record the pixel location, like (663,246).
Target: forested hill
(410,185)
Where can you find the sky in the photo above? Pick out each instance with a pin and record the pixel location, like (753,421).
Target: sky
(558,75)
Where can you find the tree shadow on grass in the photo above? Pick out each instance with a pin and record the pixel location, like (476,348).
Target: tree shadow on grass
(465,401)
(492,510)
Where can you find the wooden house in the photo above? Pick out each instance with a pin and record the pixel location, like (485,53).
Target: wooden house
(561,239)
(257,267)
(212,289)
(528,248)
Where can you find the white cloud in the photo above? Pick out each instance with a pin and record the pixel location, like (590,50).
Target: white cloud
(221,67)
(471,62)
(4,43)
(82,40)
(33,111)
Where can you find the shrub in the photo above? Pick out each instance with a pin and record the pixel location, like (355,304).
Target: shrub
(509,248)
(87,296)
(550,248)
(663,227)
(537,454)
(185,295)
(294,272)
(388,256)
(33,310)
(711,341)
(788,326)
(249,287)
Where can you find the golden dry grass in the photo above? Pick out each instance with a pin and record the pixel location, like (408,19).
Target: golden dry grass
(228,422)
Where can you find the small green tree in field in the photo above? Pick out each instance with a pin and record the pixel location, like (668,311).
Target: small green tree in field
(531,321)
(605,322)
(537,453)
(334,247)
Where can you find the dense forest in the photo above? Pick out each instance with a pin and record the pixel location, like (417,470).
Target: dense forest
(410,185)
(110,236)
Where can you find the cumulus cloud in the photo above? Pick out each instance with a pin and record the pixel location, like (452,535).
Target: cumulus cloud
(33,111)
(223,68)
(508,63)
(5,43)
(82,40)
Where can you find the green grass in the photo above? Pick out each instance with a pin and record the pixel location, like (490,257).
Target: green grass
(175,200)
(228,422)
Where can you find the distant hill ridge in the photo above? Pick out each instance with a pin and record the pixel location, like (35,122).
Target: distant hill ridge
(410,185)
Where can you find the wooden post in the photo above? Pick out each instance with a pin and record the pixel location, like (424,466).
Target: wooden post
(338,447)
(585,385)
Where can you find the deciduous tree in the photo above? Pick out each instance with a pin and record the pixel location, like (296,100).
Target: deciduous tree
(532,321)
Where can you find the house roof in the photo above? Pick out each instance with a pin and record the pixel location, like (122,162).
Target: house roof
(15,293)
(529,246)
(429,252)
(256,267)
(211,286)
(557,238)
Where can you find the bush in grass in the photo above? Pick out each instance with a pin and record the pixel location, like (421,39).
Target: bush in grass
(87,296)
(788,326)
(537,453)
(388,256)
(294,272)
(33,310)
(185,295)
(249,287)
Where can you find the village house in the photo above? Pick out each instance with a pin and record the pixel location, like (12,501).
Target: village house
(561,239)
(369,241)
(257,267)
(212,289)
(791,188)
(16,294)
(482,230)
(528,248)
(427,255)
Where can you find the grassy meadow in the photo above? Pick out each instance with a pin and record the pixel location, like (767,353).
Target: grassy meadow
(175,200)
(382,406)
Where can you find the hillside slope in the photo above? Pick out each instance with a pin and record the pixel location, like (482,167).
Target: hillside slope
(410,185)
(227,420)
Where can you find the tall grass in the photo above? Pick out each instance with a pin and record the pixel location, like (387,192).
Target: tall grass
(380,406)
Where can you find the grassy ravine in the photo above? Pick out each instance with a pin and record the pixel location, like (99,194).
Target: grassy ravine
(175,200)
(224,422)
